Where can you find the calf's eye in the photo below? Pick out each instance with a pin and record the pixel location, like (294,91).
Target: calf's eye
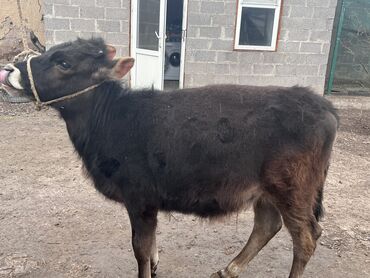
(64,65)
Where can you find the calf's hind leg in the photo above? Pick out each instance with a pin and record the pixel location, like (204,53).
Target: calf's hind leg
(267,222)
(304,231)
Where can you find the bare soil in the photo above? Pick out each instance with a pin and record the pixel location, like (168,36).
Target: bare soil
(53,223)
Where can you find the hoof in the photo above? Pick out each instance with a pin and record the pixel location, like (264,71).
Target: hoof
(154,270)
(222,274)
(216,275)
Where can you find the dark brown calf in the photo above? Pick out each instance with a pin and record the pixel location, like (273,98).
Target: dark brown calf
(207,151)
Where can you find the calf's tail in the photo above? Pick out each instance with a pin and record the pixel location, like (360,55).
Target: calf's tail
(318,210)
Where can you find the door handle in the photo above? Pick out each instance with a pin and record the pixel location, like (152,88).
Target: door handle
(158,37)
(183,34)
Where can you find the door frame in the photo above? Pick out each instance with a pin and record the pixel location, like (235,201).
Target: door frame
(132,38)
(184,35)
(161,40)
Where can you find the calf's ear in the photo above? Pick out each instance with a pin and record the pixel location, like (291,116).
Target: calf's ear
(111,51)
(123,66)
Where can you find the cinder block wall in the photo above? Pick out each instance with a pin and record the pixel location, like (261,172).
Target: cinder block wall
(301,57)
(67,19)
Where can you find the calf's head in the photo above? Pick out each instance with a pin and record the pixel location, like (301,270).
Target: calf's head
(66,69)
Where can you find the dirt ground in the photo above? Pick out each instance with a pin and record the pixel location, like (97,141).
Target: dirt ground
(54,224)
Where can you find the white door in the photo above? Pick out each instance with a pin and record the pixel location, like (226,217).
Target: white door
(148,43)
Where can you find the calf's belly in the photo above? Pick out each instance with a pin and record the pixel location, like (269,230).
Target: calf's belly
(225,200)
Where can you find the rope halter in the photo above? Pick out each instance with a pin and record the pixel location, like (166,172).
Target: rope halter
(40,104)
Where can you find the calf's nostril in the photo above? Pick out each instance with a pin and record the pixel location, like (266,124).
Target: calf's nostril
(9,68)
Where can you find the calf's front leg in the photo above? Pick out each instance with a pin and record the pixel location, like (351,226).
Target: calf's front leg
(143,225)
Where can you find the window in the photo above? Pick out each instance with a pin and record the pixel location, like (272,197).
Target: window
(257,24)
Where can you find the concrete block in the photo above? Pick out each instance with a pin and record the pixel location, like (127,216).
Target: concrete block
(205,56)
(333,3)
(193,43)
(284,81)
(250,57)
(56,23)
(230,7)
(49,37)
(196,68)
(193,32)
(210,32)
(126,4)
(301,35)
(301,12)
(222,69)
(320,36)
(115,13)
(48,9)
(211,7)
(321,12)
(329,24)
(89,35)
(316,82)
(285,10)
(83,24)
(317,59)
(296,23)
(290,70)
(83,2)
(288,81)
(223,20)
(225,56)
(288,47)
(92,12)
(117,38)
(274,58)
(263,69)
(306,70)
(253,80)
(64,36)
(241,69)
(325,49)
(108,25)
(194,7)
(310,47)
(225,79)
(318,3)
(199,19)
(295,2)
(218,44)
(321,24)
(201,79)
(323,70)
(109,3)
(66,11)
(227,33)
(125,26)
(296,59)
(283,34)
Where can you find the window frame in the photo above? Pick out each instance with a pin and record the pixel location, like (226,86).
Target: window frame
(275,31)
